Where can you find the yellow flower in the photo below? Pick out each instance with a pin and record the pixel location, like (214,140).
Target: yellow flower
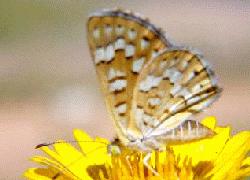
(221,157)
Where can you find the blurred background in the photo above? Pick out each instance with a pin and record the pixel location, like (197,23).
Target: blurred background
(48,84)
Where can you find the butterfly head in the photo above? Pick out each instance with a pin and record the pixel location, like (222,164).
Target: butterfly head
(114,149)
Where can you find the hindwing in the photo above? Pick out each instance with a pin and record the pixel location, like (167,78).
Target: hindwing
(171,87)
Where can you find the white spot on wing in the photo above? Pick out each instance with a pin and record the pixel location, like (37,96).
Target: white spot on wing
(150,82)
(190,76)
(110,52)
(99,55)
(173,133)
(155,53)
(202,105)
(141,117)
(171,63)
(183,64)
(120,74)
(196,88)
(137,64)
(120,43)
(108,30)
(189,127)
(129,50)
(138,114)
(121,108)
(154,101)
(173,74)
(123,122)
(185,93)
(161,93)
(96,33)
(132,34)
(112,73)
(119,30)
(175,89)
(144,44)
(197,128)
(171,106)
(193,100)
(163,64)
(104,54)
(118,85)
(181,130)
(150,120)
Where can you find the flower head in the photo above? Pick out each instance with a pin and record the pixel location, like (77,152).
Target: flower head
(217,158)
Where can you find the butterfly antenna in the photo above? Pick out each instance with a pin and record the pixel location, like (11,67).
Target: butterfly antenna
(44,144)
(65,142)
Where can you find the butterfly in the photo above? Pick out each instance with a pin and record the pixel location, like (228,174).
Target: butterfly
(151,87)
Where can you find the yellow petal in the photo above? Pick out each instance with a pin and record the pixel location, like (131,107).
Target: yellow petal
(51,153)
(42,174)
(243,173)
(94,150)
(70,158)
(85,142)
(67,151)
(209,122)
(229,161)
(216,158)
(246,162)
(57,167)
(205,149)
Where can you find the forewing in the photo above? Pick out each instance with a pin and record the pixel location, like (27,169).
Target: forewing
(120,44)
(172,87)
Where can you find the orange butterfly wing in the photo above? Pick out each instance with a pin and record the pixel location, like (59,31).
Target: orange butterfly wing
(172,87)
(120,44)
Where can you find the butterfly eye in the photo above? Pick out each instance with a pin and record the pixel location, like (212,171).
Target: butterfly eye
(132,140)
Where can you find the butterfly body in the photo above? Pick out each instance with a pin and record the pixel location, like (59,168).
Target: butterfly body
(151,87)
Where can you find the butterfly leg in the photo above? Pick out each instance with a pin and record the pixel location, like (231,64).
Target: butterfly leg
(129,164)
(145,162)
